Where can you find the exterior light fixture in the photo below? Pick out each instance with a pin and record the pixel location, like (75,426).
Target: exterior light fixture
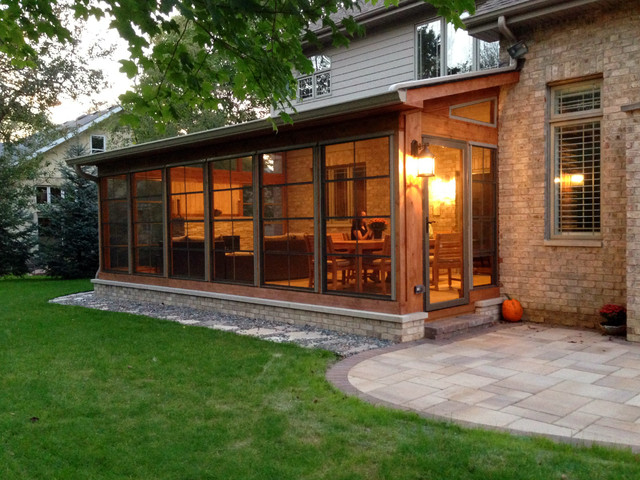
(426,160)
(517,50)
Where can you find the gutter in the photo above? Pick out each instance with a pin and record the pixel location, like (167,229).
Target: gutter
(218,135)
(428,82)
(376,16)
(522,12)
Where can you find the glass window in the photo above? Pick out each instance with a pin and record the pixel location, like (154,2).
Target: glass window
(459,51)
(232,220)
(98,143)
(47,194)
(287,218)
(483,191)
(186,221)
(115,225)
(319,83)
(429,50)
(357,217)
(148,224)
(575,126)
(481,111)
(462,53)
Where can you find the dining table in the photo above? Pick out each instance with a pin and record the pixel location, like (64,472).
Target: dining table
(358,248)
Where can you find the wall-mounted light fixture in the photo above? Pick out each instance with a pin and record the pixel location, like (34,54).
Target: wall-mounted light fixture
(426,160)
(518,50)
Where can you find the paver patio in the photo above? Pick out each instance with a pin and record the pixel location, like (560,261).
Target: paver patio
(567,384)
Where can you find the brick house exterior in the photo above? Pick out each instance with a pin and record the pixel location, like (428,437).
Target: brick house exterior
(541,213)
(565,282)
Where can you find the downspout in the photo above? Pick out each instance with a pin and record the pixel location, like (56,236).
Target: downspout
(504,30)
(85,175)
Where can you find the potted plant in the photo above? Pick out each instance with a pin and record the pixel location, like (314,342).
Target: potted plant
(615,319)
(377,226)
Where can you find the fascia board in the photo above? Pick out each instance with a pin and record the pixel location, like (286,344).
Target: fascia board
(487,23)
(255,127)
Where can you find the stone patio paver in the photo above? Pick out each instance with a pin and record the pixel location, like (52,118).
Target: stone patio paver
(570,385)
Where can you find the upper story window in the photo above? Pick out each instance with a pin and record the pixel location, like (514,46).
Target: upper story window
(48,194)
(319,83)
(575,135)
(98,143)
(443,50)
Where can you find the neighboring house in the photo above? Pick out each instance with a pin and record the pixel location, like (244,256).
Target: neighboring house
(88,134)
(533,125)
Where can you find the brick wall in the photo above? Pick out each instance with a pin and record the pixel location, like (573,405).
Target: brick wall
(633,224)
(566,284)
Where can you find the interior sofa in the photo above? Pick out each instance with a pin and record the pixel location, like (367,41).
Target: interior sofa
(285,257)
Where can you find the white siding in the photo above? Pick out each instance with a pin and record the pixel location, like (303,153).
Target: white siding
(368,67)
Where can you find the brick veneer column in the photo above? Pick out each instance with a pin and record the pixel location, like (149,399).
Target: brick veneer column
(633,221)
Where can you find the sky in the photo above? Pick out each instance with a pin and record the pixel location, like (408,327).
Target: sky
(97,31)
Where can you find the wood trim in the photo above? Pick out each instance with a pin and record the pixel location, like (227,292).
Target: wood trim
(417,96)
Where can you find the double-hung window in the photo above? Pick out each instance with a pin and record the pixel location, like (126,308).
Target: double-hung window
(317,84)
(575,136)
(443,50)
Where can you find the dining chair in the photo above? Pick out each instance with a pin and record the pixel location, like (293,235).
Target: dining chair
(447,255)
(336,263)
(308,240)
(382,265)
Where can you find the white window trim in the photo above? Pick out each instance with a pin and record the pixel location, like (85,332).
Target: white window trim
(49,195)
(475,55)
(313,77)
(568,239)
(96,150)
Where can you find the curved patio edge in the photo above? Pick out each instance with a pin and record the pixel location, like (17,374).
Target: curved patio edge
(338,376)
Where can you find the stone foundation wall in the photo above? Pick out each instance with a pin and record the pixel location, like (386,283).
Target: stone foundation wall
(396,328)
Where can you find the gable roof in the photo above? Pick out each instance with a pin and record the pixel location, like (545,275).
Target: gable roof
(81,124)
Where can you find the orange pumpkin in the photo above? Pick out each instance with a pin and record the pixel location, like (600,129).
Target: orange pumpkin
(511,310)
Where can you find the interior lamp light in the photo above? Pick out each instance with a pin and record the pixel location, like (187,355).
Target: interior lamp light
(570,180)
(426,160)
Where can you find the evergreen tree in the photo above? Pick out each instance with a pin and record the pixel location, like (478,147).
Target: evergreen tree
(17,232)
(70,248)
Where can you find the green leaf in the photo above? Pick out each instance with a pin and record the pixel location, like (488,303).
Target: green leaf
(129,68)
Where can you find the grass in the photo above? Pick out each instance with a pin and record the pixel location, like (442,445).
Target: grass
(88,394)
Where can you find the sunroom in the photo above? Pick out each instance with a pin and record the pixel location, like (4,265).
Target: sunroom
(325,222)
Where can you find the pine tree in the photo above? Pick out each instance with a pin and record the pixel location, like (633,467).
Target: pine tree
(71,248)
(17,232)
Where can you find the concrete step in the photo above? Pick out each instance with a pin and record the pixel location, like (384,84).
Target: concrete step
(452,326)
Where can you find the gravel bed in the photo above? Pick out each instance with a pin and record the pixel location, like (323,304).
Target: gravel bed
(342,344)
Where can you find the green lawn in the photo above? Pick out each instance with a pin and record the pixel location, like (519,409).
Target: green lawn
(87,394)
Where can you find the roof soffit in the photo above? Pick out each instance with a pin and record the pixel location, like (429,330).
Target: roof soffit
(522,13)
(417,96)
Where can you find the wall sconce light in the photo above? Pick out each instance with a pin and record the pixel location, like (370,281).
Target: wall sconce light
(517,50)
(426,160)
